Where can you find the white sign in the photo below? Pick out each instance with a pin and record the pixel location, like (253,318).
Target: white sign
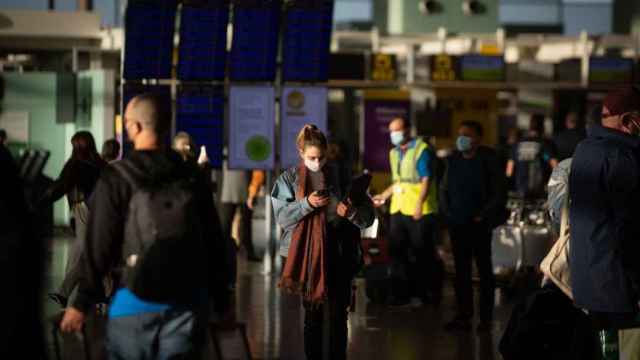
(16,124)
(300,106)
(251,127)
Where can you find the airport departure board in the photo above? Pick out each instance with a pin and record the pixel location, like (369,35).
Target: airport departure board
(149,30)
(307,38)
(254,49)
(200,113)
(203,40)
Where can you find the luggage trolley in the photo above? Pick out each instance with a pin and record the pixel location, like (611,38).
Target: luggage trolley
(524,240)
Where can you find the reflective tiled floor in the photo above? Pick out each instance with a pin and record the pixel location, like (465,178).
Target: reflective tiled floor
(274,323)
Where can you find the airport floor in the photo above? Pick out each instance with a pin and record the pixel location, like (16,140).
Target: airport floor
(274,323)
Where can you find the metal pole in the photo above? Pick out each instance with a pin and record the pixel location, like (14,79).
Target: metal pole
(411,64)
(74,59)
(584,73)
(268,220)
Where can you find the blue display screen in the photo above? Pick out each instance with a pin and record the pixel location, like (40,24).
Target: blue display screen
(149,29)
(255,42)
(200,113)
(482,68)
(610,70)
(203,41)
(306,43)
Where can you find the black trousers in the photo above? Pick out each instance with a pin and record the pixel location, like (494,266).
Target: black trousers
(473,241)
(228,211)
(415,264)
(325,326)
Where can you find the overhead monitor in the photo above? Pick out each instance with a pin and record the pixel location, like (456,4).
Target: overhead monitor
(254,49)
(200,113)
(482,68)
(306,43)
(203,40)
(610,70)
(149,30)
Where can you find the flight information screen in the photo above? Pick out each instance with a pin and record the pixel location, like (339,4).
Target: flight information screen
(203,40)
(255,41)
(149,29)
(306,43)
(200,113)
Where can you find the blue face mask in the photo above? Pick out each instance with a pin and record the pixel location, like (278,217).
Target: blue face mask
(397,137)
(463,143)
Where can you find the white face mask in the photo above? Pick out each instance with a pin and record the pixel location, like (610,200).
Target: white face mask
(314,165)
(397,137)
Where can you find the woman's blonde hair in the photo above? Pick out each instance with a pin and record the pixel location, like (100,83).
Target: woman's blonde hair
(310,135)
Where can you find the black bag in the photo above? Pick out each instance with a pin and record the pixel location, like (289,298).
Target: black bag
(386,282)
(163,248)
(546,325)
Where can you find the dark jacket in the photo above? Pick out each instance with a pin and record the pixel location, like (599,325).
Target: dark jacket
(22,263)
(567,141)
(605,231)
(105,234)
(76,175)
(491,195)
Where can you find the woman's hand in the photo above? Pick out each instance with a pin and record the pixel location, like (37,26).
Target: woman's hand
(317,201)
(344,210)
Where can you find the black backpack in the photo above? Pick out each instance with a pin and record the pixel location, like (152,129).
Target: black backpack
(546,325)
(163,240)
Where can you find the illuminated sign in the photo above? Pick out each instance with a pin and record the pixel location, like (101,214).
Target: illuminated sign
(482,68)
(444,68)
(383,67)
(610,70)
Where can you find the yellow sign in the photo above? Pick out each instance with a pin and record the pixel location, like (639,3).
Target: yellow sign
(443,68)
(383,67)
(295,100)
(480,105)
(490,49)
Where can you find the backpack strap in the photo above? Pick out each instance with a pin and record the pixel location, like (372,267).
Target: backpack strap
(131,173)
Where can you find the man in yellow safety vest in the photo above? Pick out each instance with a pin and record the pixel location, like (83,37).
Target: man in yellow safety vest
(414,204)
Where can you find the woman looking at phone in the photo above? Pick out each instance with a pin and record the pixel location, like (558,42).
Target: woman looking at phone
(320,243)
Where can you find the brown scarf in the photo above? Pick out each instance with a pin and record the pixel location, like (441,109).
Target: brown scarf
(305,269)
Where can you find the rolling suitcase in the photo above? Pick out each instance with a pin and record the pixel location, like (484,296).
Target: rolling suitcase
(377,270)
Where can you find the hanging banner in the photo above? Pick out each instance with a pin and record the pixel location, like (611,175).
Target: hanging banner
(251,127)
(380,107)
(300,106)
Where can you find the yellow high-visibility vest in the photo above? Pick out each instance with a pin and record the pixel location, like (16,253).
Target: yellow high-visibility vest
(407,182)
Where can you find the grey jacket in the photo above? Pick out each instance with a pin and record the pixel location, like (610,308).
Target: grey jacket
(289,211)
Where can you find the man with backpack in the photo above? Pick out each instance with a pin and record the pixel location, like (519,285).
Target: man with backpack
(155,221)
(472,200)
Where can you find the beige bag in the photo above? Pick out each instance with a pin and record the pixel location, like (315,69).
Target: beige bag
(555,266)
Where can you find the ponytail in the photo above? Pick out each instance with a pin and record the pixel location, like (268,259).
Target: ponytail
(310,135)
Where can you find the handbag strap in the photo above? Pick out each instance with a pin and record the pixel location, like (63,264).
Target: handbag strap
(564,216)
(564,227)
